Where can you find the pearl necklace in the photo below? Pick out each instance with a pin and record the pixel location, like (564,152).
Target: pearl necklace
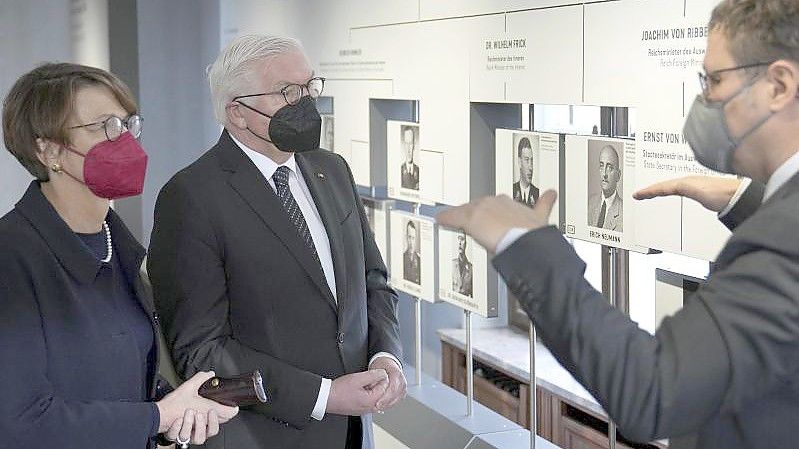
(110,247)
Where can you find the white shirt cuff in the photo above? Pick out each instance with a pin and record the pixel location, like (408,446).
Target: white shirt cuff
(741,188)
(385,354)
(510,238)
(320,408)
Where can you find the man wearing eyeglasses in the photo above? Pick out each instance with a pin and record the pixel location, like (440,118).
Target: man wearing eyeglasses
(722,372)
(261,258)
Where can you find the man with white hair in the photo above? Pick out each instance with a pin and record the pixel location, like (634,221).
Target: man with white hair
(261,258)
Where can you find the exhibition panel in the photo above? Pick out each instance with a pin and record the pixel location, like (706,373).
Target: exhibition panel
(464,278)
(377,211)
(527,165)
(413,255)
(599,188)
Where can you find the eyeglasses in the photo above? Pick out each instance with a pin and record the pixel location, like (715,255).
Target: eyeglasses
(294,92)
(707,80)
(115,126)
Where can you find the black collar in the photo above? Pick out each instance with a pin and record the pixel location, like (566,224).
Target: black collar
(76,259)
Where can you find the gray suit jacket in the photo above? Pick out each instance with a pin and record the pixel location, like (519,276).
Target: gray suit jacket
(238,290)
(721,373)
(614,220)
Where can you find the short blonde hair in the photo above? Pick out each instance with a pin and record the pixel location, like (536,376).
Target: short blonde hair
(41,102)
(230,74)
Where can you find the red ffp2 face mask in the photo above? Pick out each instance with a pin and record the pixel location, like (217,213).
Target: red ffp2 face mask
(114,169)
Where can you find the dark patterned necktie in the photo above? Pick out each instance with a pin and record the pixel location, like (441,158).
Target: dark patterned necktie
(281,178)
(601,220)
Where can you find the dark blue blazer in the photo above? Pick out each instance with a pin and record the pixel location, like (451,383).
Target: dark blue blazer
(63,371)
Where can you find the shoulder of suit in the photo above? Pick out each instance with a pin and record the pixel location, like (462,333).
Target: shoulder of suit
(325,158)
(772,226)
(19,242)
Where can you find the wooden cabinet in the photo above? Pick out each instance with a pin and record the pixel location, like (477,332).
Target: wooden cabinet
(560,421)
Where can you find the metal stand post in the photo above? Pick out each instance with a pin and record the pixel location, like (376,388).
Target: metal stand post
(613,284)
(532,404)
(469,364)
(418,340)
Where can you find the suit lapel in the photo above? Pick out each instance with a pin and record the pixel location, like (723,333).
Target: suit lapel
(316,180)
(250,184)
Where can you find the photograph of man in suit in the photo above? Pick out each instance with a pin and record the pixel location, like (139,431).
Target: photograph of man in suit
(605,208)
(523,190)
(409,170)
(411,262)
(462,269)
(261,258)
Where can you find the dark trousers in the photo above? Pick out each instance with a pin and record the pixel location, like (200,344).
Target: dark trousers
(354,433)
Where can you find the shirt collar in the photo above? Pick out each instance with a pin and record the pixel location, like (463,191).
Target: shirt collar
(611,198)
(73,255)
(265,164)
(782,175)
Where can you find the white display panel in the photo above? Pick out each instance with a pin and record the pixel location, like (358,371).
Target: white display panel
(463,273)
(671,292)
(377,214)
(326,140)
(358,158)
(600,180)
(413,249)
(527,165)
(409,177)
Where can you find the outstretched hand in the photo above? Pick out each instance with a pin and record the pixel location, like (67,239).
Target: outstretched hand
(713,193)
(488,219)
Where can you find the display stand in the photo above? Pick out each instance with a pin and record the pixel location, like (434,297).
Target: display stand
(418,325)
(613,290)
(533,412)
(469,364)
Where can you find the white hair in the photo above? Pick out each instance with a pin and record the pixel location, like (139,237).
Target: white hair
(230,73)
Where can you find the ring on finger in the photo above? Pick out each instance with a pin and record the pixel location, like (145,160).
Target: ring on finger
(182,444)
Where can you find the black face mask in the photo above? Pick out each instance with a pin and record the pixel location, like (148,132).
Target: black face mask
(293,128)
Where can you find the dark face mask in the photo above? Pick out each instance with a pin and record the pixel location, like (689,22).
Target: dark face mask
(293,128)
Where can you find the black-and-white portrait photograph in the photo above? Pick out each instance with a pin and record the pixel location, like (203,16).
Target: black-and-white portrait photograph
(326,141)
(525,151)
(605,204)
(411,260)
(462,268)
(409,170)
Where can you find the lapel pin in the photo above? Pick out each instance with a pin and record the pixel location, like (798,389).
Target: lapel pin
(320,175)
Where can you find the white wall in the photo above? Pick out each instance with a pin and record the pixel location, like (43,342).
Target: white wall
(24,43)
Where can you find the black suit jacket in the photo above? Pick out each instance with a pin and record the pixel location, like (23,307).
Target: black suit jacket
(410,177)
(532,194)
(62,376)
(721,373)
(238,290)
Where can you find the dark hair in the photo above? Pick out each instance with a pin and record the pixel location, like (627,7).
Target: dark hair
(410,224)
(524,142)
(41,102)
(759,31)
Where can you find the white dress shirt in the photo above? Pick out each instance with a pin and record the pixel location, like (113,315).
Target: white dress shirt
(781,175)
(302,195)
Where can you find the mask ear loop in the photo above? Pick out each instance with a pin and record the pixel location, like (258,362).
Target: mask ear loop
(61,169)
(259,112)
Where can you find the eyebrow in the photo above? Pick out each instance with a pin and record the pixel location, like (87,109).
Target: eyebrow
(282,84)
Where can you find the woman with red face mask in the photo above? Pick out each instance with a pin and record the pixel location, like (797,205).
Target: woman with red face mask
(79,336)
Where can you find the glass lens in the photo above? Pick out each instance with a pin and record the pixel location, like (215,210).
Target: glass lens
(134,125)
(315,87)
(113,128)
(292,92)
